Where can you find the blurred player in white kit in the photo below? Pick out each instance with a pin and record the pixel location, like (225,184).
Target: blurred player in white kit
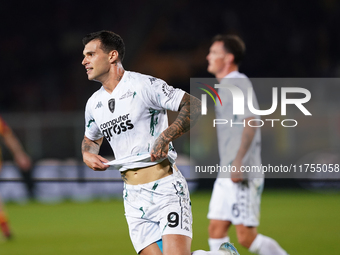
(236,198)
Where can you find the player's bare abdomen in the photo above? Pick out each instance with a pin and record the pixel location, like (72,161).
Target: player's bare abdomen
(147,174)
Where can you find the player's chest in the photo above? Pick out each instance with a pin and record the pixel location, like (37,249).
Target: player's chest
(118,108)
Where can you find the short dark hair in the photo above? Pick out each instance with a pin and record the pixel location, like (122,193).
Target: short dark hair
(109,41)
(232,44)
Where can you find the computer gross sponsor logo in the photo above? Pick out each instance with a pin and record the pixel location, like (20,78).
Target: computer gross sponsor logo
(116,126)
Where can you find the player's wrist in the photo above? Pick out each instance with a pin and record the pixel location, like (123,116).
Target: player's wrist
(86,154)
(164,137)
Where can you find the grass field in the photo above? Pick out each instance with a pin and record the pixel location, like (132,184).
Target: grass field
(302,222)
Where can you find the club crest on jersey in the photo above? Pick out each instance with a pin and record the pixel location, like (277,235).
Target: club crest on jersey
(112,104)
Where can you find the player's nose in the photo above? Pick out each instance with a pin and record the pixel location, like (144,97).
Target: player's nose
(84,62)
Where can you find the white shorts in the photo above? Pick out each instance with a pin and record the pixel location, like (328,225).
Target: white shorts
(157,208)
(238,203)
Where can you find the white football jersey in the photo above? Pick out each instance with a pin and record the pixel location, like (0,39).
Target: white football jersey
(132,117)
(229,137)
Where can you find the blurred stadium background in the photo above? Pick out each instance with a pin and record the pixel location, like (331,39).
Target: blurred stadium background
(44,90)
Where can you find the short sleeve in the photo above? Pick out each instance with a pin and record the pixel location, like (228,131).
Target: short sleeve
(159,95)
(91,129)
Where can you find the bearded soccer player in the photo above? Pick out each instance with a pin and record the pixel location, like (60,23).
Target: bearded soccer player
(236,199)
(130,112)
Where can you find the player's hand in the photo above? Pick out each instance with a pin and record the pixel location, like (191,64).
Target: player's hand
(23,161)
(95,161)
(160,148)
(238,175)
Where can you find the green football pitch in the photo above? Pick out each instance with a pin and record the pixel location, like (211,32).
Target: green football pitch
(303,222)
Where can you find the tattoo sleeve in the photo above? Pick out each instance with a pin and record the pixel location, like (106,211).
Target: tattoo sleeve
(90,146)
(189,113)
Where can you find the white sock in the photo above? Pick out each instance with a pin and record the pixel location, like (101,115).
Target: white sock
(215,243)
(264,245)
(201,252)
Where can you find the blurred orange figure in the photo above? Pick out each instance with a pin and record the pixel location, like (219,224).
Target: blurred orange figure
(21,159)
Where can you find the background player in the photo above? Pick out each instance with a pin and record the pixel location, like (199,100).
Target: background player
(236,199)
(22,160)
(130,111)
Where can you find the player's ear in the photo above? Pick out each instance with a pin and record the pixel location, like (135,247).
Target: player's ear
(229,58)
(113,56)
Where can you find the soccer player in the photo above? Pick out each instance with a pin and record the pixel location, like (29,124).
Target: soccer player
(236,200)
(130,111)
(21,159)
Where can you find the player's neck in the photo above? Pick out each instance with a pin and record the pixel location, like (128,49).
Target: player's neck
(114,77)
(229,69)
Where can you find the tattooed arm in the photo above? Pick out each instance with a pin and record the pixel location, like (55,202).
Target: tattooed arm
(246,140)
(189,112)
(90,150)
